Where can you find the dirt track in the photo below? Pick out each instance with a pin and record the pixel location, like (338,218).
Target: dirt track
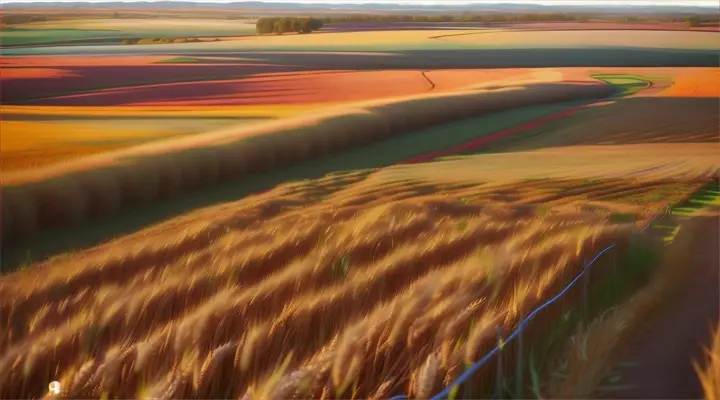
(665,348)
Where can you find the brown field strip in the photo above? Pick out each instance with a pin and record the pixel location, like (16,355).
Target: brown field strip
(84,188)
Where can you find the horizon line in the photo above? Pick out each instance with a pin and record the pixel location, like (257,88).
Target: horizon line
(547,3)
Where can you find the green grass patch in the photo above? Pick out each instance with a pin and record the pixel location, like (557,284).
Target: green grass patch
(708,196)
(626,85)
(179,60)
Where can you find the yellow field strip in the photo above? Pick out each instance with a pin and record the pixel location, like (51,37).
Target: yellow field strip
(267,111)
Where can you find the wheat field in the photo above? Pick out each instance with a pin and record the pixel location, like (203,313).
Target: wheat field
(354,302)
(101,184)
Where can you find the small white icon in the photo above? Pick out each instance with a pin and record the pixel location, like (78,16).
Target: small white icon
(54,387)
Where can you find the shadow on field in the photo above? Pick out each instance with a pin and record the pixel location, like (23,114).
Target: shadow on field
(500,58)
(673,117)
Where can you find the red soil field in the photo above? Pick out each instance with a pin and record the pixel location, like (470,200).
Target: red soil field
(300,88)
(83,78)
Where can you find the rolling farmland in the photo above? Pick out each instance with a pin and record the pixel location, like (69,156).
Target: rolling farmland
(351,213)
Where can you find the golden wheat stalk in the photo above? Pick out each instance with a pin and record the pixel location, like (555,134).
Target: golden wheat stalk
(710,375)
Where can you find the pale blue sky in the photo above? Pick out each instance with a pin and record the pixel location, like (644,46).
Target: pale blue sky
(703,3)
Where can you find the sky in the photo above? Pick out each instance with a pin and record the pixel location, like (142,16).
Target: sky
(701,3)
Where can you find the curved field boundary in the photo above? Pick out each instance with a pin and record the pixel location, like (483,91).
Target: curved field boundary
(104,184)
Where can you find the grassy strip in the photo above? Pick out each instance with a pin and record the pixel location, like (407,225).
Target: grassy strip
(584,370)
(708,196)
(630,271)
(627,85)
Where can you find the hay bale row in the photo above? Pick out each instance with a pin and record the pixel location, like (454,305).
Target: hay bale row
(105,184)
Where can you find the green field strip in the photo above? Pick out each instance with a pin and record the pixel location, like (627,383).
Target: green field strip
(708,196)
(627,85)
(705,198)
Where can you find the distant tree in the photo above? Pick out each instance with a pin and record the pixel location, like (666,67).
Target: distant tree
(693,21)
(283,25)
(315,24)
(299,25)
(265,25)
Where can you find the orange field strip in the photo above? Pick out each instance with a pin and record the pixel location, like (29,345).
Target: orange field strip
(269,110)
(695,83)
(80,61)
(35,73)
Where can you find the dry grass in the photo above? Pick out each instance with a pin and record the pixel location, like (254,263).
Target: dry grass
(710,374)
(654,162)
(350,301)
(102,184)
(703,83)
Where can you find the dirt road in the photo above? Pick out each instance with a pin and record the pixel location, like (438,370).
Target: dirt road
(665,348)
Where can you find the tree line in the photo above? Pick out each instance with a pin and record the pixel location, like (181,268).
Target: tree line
(287,24)
(693,20)
(551,17)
